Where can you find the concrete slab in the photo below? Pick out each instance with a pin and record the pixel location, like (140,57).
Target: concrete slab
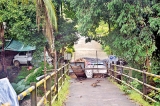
(106,94)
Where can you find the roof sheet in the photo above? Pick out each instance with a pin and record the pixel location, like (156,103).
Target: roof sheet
(19,46)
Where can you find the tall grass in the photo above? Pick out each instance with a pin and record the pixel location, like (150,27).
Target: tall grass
(63,93)
(138,98)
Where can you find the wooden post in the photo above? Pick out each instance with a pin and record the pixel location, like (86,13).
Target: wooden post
(56,82)
(48,87)
(121,70)
(63,74)
(107,68)
(61,77)
(144,81)
(112,70)
(34,95)
(115,69)
(130,75)
(67,69)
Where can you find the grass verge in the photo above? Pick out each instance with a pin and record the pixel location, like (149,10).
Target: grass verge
(138,98)
(133,95)
(63,93)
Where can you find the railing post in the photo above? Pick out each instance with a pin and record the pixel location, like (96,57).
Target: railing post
(61,77)
(107,67)
(56,81)
(110,68)
(115,69)
(48,85)
(144,81)
(130,75)
(112,71)
(68,69)
(121,70)
(63,74)
(34,95)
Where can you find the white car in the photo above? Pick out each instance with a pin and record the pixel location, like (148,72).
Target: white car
(22,58)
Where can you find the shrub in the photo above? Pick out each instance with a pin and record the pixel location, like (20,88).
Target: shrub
(107,50)
(20,86)
(32,76)
(22,74)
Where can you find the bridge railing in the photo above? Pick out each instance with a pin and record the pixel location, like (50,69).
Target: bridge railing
(50,85)
(117,72)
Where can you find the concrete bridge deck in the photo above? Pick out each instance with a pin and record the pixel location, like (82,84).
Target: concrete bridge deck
(82,93)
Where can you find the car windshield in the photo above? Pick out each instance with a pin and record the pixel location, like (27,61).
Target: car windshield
(22,53)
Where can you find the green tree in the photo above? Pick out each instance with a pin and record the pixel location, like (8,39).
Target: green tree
(89,14)
(21,24)
(134,31)
(22,17)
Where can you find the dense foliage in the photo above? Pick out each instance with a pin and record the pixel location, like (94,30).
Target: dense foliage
(66,35)
(21,24)
(134,29)
(89,13)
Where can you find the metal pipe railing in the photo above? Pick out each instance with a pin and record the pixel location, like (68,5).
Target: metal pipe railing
(47,81)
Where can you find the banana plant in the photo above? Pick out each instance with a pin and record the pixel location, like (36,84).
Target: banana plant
(20,86)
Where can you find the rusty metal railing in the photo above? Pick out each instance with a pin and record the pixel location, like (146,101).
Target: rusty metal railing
(113,74)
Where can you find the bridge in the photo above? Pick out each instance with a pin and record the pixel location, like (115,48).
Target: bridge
(84,92)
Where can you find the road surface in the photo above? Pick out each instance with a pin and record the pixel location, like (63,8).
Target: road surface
(82,93)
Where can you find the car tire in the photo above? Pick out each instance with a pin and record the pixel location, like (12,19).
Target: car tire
(16,63)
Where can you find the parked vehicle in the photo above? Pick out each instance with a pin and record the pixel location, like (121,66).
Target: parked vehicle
(22,58)
(25,58)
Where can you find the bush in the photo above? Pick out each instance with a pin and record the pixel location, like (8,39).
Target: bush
(107,50)
(126,89)
(70,49)
(32,76)
(36,73)
(23,73)
(20,86)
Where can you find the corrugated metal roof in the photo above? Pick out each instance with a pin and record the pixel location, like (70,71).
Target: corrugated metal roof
(19,46)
